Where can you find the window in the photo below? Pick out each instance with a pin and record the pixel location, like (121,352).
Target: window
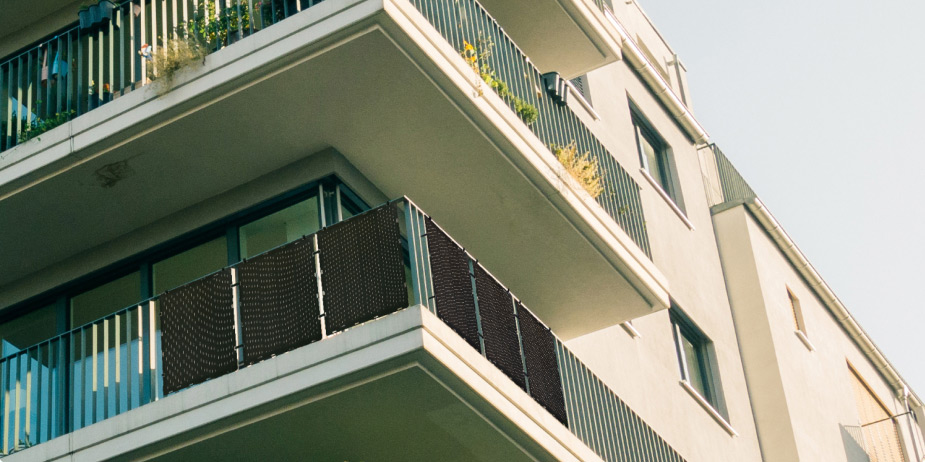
(105,299)
(27,330)
(174,263)
(881,435)
(279,228)
(696,360)
(655,157)
(190,264)
(798,322)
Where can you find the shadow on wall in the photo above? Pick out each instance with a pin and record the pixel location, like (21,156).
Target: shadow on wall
(853,438)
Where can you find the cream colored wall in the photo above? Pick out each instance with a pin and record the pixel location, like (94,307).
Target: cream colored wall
(800,396)
(645,371)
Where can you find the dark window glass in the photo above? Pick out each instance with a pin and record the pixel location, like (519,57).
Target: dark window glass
(280,227)
(105,299)
(29,329)
(189,265)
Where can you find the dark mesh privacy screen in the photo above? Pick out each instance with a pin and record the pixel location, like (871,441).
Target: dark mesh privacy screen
(361,268)
(198,336)
(499,329)
(279,301)
(539,347)
(452,285)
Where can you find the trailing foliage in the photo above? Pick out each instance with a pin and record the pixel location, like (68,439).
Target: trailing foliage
(582,167)
(478,59)
(40,126)
(174,55)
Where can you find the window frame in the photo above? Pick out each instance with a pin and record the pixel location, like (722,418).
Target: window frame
(331,186)
(683,327)
(667,179)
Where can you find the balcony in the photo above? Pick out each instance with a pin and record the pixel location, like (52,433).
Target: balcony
(384,84)
(565,36)
(324,335)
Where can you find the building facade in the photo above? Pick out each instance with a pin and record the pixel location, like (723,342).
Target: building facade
(399,230)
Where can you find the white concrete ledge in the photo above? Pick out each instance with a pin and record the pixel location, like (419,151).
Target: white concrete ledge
(709,408)
(664,195)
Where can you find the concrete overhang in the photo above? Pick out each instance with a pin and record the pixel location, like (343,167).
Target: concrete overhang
(566,36)
(376,82)
(403,387)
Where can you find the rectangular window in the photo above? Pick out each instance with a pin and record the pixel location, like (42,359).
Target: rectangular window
(190,265)
(881,435)
(655,157)
(28,329)
(696,359)
(280,227)
(798,322)
(105,299)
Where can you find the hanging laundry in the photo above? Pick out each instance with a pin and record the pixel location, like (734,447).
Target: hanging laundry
(59,66)
(45,67)
(136,9)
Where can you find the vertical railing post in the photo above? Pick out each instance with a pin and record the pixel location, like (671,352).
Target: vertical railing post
(317,254)
(236,306)
(475,299)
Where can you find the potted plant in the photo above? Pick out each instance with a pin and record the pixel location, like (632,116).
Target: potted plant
(103,16)
(107,94)
(85,16)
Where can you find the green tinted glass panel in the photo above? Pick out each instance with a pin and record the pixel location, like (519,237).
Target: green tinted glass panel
(105,299)
(279,228)
(189,265)
(653,160)
(695,373)
(27,330)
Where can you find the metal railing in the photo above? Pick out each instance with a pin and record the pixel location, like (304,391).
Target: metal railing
(724,183)
(76,70)
(320,285)
(89,374)
(465,21)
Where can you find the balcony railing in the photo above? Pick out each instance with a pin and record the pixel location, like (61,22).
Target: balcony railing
(365,267)
(463,22)
(725,183)
(75,71)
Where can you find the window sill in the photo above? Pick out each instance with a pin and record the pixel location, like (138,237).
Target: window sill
(709,408)
(803,338)
(667,198)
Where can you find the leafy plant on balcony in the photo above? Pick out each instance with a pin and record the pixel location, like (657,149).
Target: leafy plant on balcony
(176,54)
(39,126)
(213,25)
(477,58)
(581,167)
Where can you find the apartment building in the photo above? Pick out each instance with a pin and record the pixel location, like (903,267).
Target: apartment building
(399,230)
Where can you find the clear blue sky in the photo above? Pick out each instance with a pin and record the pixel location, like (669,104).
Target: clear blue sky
(821,106)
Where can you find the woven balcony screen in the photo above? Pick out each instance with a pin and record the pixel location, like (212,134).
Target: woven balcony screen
(279,301)
(362,272)
(539,345)
(452,284)
(197,322)
(499,328)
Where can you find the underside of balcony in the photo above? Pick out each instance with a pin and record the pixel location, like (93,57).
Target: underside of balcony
(373,82)
(404,387)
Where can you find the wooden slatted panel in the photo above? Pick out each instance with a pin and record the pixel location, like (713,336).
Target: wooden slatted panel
(881,438)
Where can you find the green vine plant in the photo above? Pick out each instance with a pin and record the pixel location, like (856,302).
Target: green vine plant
(477,58)
(582,167)
(39,126)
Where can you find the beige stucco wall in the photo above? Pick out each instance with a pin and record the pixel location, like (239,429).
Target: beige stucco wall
(802,398)
(644,371)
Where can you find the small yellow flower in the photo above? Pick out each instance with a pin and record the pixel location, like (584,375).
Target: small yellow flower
(468,46)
